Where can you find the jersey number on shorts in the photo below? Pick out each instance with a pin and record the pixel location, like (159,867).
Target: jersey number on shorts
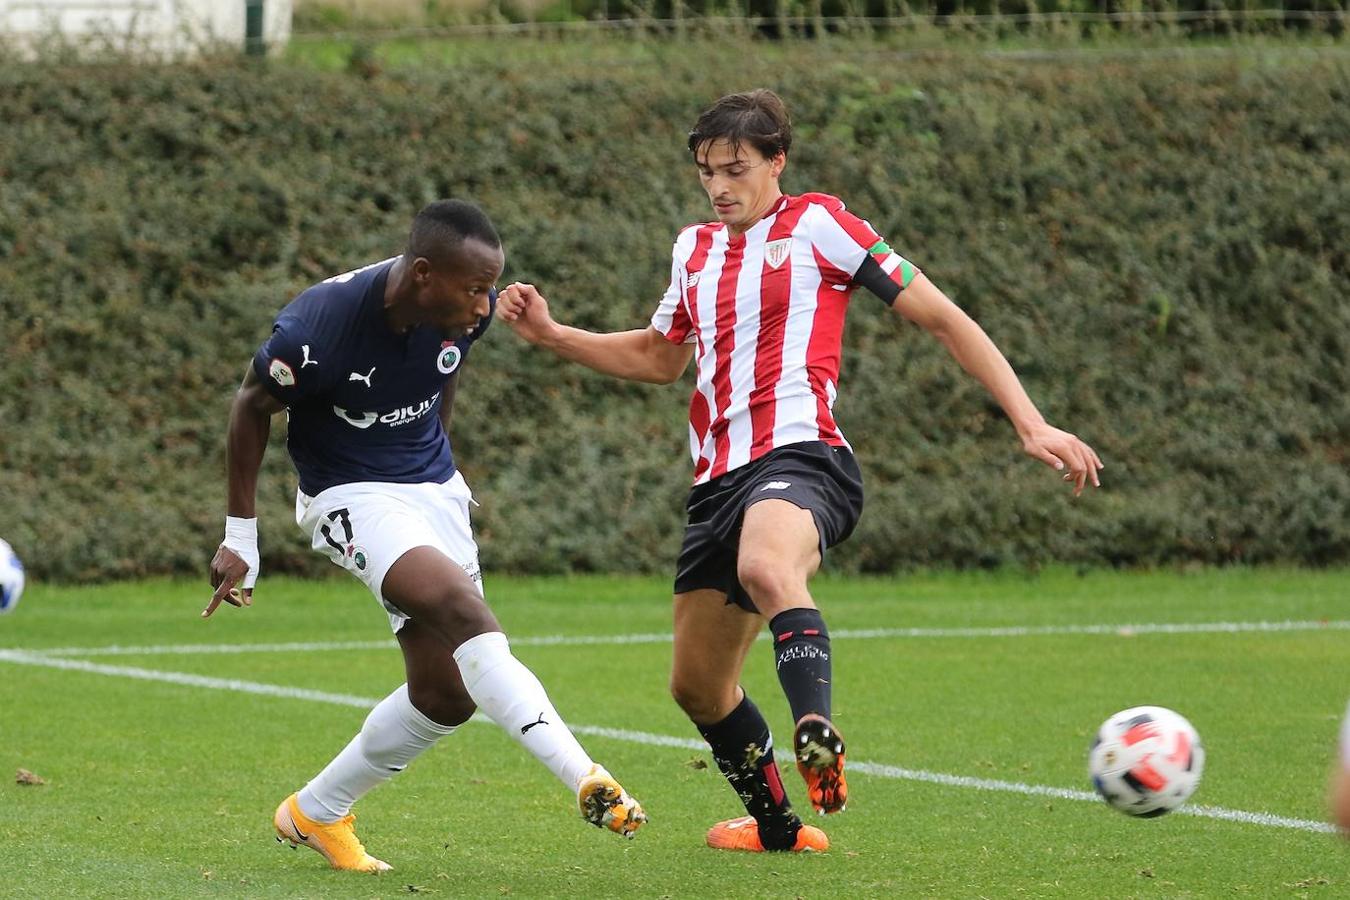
(344,516)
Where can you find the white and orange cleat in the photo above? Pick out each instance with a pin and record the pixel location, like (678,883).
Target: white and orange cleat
(819,749)
(743,834)
(605,804)
(337,841)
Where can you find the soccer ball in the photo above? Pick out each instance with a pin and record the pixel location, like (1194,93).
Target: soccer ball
(11,578)
(1146,761)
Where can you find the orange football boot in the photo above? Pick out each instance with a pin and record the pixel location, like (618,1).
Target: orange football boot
(743,834)
(819,749)
(605,804)
(337,841)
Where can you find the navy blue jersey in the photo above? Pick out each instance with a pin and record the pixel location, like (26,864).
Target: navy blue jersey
(363,402)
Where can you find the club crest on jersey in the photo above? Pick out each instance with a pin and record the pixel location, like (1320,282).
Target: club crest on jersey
(448,361)
(281,373)
(777,251)
(358,557)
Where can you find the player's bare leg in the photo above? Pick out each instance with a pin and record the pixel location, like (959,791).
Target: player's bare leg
(779,551)
(434,591)
(712,639)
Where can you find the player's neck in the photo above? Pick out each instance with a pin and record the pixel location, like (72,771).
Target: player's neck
(396,314)
(768,206)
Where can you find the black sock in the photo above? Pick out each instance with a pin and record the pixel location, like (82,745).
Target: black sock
(743,748)
(801,648)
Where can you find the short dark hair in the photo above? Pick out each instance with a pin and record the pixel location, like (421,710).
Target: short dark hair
(441,227)
(758,118)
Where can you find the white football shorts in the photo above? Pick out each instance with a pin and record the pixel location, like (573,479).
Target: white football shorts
(365,527)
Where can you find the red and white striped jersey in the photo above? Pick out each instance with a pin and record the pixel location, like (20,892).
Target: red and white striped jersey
(766,312)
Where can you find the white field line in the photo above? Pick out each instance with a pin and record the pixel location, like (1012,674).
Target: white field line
(642,737)
(563,640)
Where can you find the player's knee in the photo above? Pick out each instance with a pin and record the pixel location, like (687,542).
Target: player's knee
(765,579)
(455,612)
(467,614)
(443,704)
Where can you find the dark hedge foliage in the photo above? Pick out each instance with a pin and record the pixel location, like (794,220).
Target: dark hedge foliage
(1161,247)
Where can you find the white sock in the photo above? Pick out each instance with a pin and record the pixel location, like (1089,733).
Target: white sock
(393,735)
(512,697)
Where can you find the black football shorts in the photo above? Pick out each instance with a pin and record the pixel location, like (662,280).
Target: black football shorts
(822,479)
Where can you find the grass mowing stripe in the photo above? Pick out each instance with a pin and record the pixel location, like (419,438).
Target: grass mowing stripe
(187,679)
(1018,787)
(1122,630)
(641,737)
(195,649)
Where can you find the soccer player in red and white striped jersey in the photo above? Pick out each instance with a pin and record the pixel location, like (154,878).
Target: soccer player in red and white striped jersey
(758,298)
(765,311)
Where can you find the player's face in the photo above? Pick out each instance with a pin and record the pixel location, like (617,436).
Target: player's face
(455,296)
(741,182)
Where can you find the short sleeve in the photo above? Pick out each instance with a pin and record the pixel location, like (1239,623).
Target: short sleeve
(848,242)
(671,318)
(290,364)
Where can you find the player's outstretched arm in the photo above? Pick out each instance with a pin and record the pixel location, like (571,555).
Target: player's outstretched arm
(922,303)
(638,355)
(236,558)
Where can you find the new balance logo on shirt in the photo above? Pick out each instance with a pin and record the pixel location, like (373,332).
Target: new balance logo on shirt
(776,486)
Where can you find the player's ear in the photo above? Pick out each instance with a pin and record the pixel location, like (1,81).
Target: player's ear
(778,164)
(421,270)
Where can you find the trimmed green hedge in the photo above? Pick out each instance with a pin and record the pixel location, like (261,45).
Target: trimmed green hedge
(1161,247)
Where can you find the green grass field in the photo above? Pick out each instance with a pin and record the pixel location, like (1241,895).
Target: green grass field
(166,787)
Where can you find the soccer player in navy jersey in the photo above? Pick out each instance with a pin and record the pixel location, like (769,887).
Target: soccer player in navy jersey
(365,365)
(758,298)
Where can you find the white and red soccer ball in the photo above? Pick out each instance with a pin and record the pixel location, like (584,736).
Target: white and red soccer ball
(1146,761)
(11,578)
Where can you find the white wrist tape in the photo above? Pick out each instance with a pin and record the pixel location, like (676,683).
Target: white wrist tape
(241,536)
